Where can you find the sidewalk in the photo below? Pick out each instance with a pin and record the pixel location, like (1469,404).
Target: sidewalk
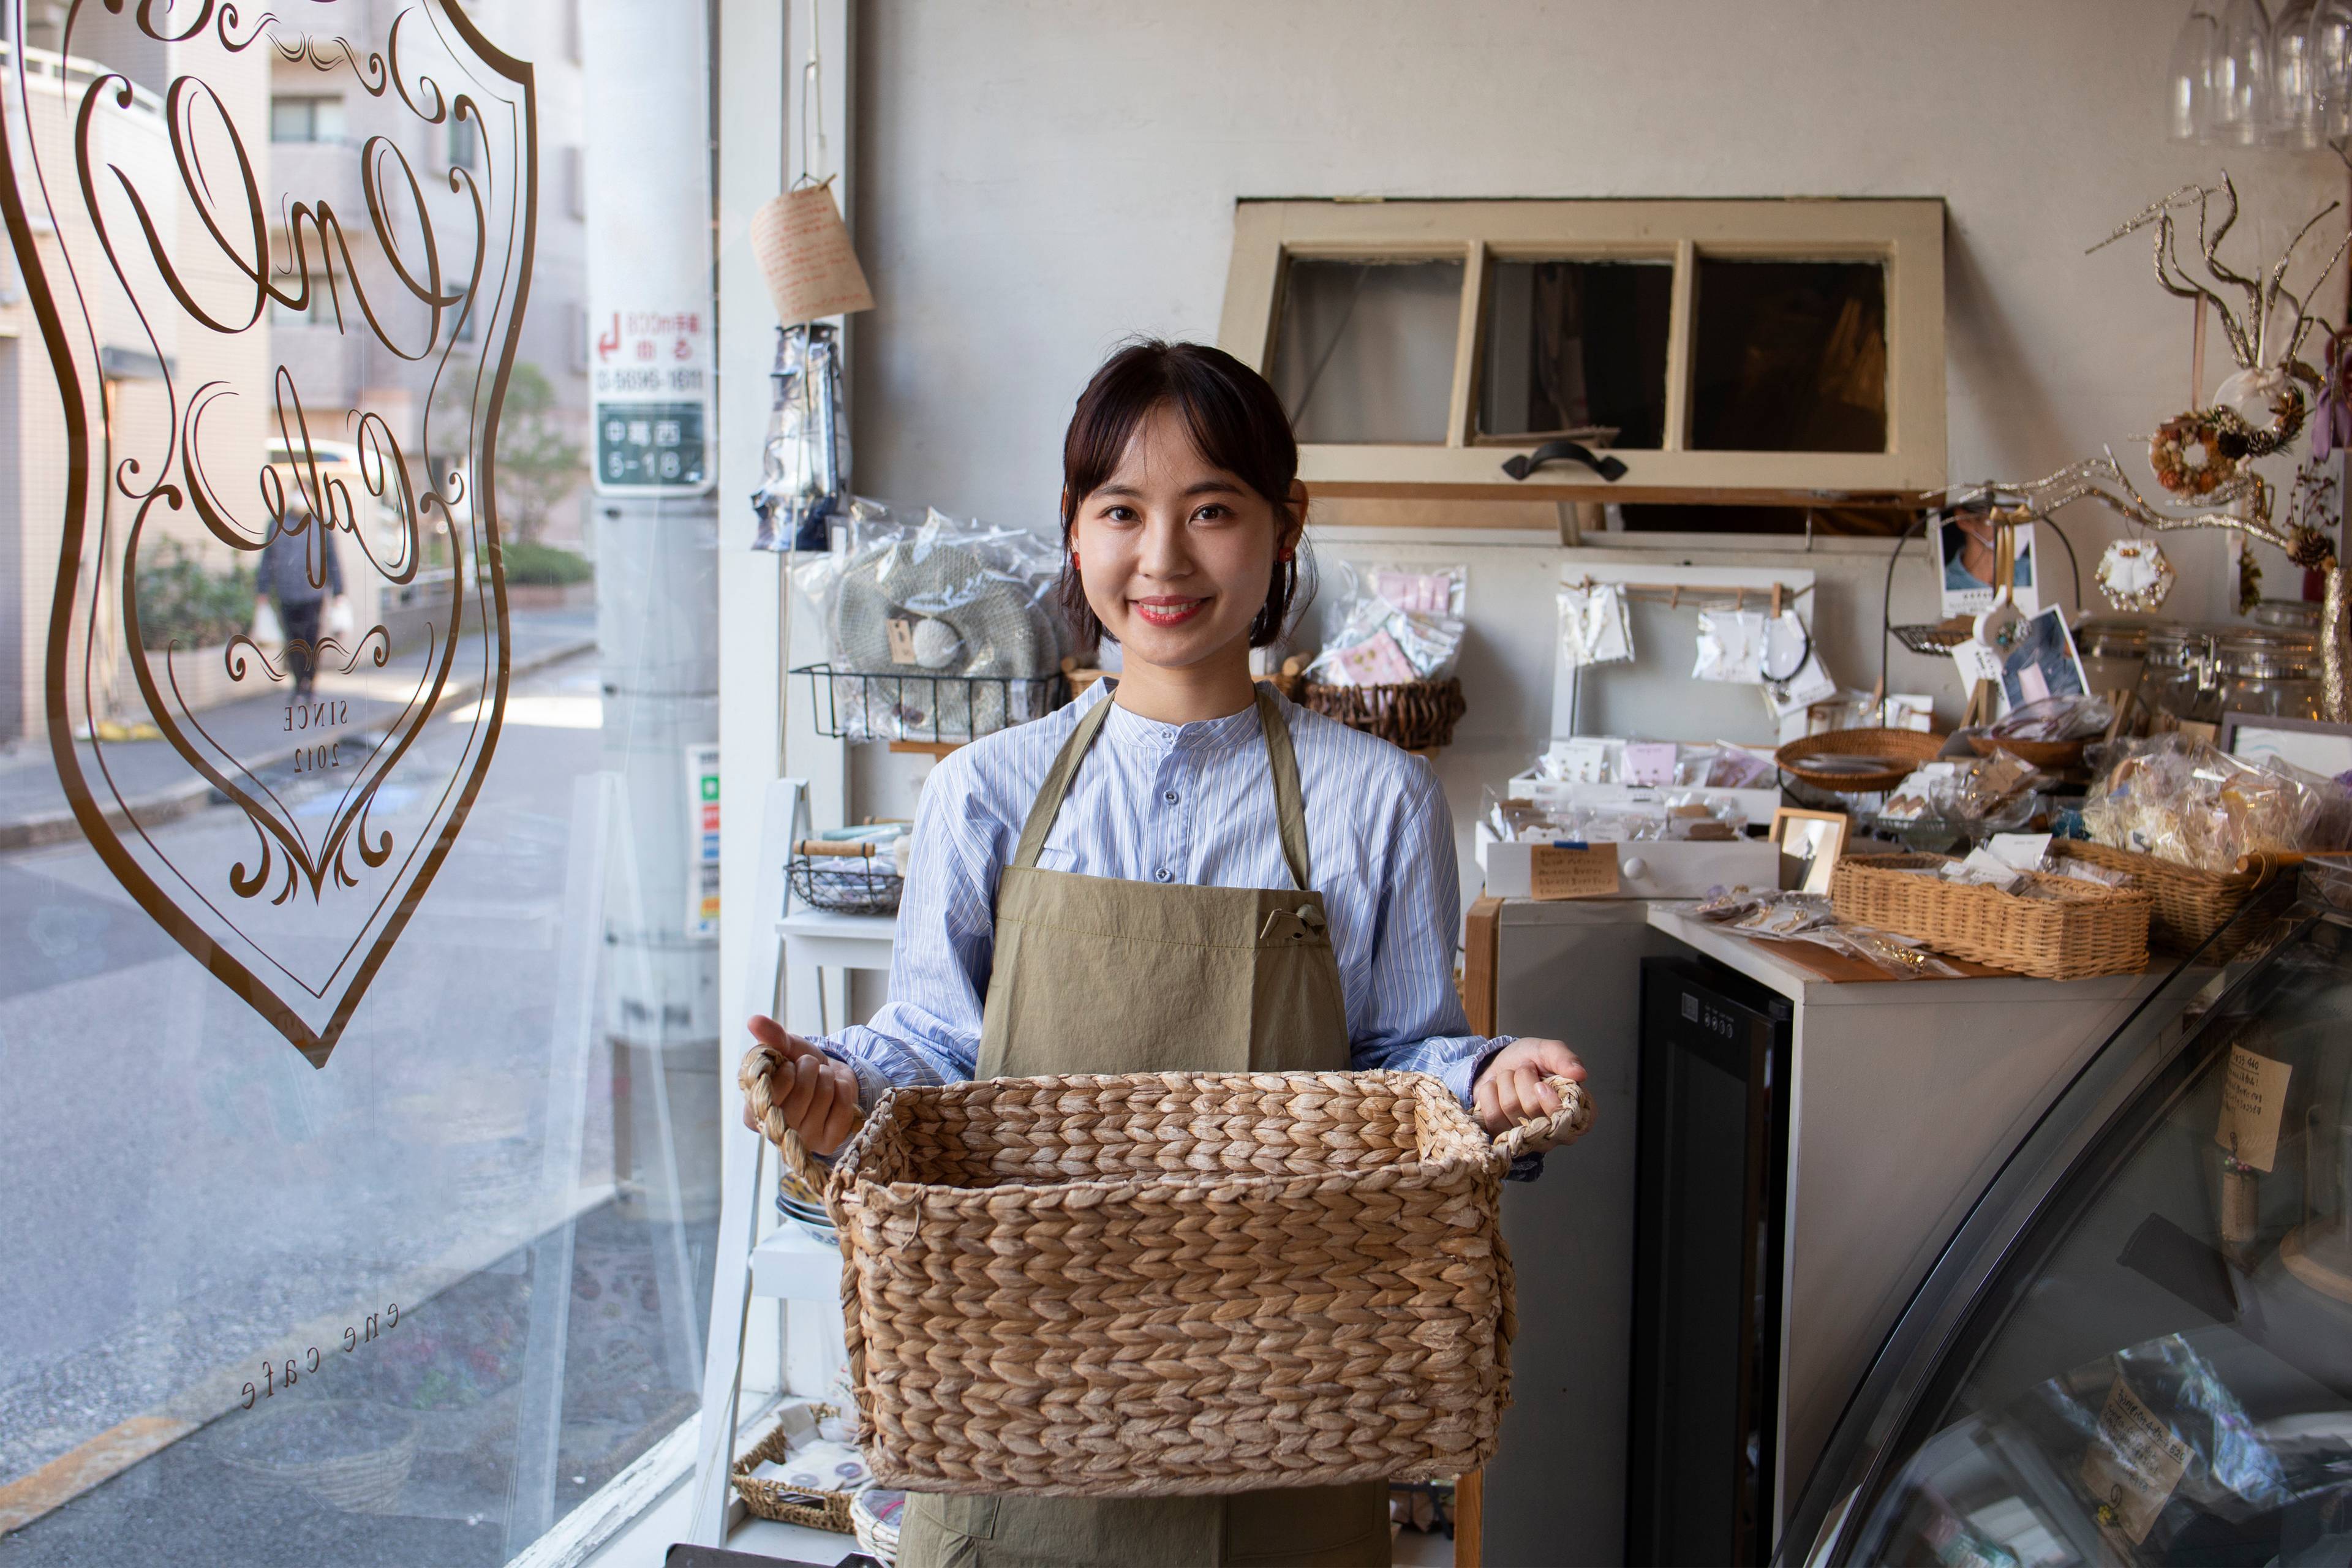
(160,785)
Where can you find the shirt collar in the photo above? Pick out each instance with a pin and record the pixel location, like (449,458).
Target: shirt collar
(1131,730)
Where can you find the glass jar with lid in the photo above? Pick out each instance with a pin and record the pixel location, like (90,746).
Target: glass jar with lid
(2264,669)
(2287,614)
(2113,651)
(2180,678)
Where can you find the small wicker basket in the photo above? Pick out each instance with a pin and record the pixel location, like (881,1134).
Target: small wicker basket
(1417,715)
(1163,1284)
(1901,750)
(2188,905)
(2076,931)
(788,1504)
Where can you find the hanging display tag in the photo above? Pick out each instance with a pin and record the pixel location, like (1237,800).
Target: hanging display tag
(1572,871)
(2253,1104)
(805,255)
(2133,1462)
(901,634)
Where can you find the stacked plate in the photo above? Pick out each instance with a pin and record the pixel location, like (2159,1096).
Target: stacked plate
(800,1205)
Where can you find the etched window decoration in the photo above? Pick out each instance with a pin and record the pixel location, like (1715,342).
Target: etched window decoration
(360,1137)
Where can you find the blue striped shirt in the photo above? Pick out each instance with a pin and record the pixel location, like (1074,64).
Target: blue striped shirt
(1192,803)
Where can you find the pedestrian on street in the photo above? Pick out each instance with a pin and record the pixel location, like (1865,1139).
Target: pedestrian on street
(301,572)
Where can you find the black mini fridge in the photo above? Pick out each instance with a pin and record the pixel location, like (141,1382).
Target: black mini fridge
(1713,1162)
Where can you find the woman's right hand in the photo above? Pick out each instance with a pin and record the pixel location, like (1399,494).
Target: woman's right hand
(817,1094)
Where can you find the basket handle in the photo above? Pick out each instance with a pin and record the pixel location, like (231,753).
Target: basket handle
(1572,1121)
(846,849)
(759,1064)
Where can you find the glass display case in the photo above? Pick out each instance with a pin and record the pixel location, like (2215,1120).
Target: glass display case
(2138,1346)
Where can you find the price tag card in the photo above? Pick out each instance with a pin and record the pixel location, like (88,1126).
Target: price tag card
(2253,1103)
(1572,871)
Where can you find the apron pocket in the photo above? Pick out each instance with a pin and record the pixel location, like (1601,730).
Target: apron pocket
(1339,1527)
(973,1517)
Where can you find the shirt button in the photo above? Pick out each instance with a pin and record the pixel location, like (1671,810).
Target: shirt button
(1172,798)
(1163,874)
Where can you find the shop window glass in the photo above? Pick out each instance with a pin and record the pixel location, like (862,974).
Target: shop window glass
(1791,357)
(1366,349)
(1576,348)
(360,1146)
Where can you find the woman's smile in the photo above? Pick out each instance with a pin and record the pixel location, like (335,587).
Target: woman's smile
(1168,610)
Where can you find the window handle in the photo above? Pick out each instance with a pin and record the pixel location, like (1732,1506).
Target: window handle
(1525,463)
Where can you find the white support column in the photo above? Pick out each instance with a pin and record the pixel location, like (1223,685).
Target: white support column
(757,51)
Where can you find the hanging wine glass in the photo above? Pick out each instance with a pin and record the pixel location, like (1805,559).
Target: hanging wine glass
(2294,105)
(2328,50)
(2242,75)
(2189,89)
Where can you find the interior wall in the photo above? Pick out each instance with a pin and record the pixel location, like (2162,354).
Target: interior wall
(1040,182)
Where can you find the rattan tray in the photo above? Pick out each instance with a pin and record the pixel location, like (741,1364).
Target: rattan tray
(1417,715)
(1904,750)
(2083,930)
(2187,905)
(1165,1284)
(788,1504)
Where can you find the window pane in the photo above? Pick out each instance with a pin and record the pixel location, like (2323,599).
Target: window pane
(435,819)
(290,120)
(1364,351)
(1790,357)
(1575,345)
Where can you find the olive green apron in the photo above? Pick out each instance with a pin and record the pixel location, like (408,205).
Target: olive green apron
(1100,974)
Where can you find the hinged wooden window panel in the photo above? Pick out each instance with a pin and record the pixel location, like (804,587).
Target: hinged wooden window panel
(1723,351)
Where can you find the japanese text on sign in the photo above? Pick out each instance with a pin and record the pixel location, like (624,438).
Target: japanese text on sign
(651,387)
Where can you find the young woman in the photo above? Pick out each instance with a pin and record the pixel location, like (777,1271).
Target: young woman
(1180,871)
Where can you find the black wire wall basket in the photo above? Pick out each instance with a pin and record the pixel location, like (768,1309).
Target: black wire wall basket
(923,707)
(844,878)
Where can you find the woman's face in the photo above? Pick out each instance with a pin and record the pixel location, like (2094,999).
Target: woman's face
(1174,553)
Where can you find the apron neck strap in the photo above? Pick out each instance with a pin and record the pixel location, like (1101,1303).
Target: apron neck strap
(1289,805)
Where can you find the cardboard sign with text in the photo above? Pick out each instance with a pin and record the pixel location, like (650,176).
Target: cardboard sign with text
(1572,871)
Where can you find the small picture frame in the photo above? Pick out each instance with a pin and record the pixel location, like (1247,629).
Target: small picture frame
(2311,744)
(1813,839)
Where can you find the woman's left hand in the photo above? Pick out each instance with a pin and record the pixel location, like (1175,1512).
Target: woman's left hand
(1511,1088)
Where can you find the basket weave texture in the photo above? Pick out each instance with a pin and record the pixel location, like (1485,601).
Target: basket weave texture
(1163,1284)
(356,1483)
(774,1499)
(2083,930)
(1416,715)
(1903,750)
(2189,904)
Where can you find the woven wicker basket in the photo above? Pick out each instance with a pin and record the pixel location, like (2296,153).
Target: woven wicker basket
(2188,905)
(785,1504)
(1903,750)
(1162,1284)
(1416,716)
(2083,930)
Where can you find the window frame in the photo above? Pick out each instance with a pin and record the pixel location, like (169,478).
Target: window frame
(1904,234)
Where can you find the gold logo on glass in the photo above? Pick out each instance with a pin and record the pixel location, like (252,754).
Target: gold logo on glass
(278,269)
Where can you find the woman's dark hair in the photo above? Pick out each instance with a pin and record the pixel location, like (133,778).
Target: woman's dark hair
(1236,423)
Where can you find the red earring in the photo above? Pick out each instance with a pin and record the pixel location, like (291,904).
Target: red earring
(1074,560)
